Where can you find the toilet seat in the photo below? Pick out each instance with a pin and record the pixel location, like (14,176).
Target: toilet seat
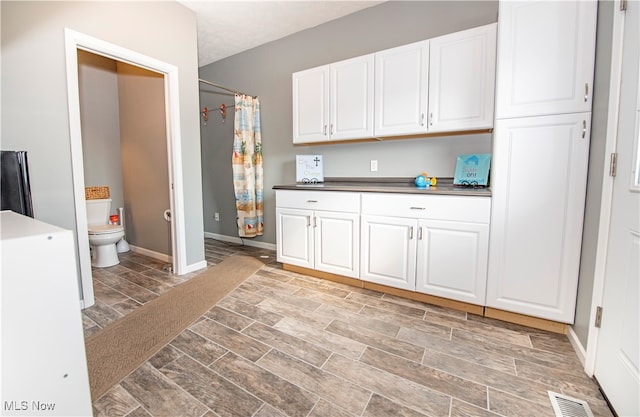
(103,229)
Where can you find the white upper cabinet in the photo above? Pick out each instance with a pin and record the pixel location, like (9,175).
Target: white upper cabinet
(311,105)
(443,84)
(401,89)
(462,80)
(334,102)
(547,51)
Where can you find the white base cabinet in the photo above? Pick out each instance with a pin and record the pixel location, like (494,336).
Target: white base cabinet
(539,174)
(452,259)
(44,365)
(389,251)
(319,230)
(436,245)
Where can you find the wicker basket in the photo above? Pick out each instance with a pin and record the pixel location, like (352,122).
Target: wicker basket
(96,193)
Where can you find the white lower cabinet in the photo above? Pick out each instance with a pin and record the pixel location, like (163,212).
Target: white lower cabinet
(539,176)
(319,230)
(452,259)
(436,245)
(389,251)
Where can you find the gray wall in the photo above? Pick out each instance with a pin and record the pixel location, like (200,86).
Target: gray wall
(99,115)
(143,140)
(35,115)
(597,160)
(124,144)
(266,71)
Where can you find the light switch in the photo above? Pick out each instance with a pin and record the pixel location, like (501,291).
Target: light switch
(374,165)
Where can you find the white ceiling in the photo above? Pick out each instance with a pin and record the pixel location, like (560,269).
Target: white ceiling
(226,28)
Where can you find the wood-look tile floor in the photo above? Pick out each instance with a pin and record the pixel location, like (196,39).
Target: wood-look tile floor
(285,344)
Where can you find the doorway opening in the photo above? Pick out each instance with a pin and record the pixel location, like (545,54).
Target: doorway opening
(77,43)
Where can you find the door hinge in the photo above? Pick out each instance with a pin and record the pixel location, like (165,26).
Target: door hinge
(623,5)
(598,322)
(613,164)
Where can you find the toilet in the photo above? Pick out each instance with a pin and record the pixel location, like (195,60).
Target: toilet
(102,235)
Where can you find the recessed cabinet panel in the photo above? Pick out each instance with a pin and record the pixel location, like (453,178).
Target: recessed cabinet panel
(401,89)
(351,99)
(294,237)
(311,105)
(546,60)
(389,251)
(452,260)
(539,175)
(337,243)
(462,80)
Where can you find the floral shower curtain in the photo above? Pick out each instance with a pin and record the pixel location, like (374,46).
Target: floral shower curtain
(247,166)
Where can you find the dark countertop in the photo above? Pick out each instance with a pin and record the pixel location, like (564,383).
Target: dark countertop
(387,185)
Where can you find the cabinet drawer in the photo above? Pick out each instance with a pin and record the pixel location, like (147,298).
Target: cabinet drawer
(319,200)
(456,208)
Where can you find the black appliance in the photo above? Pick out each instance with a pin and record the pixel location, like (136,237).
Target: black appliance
(15,189)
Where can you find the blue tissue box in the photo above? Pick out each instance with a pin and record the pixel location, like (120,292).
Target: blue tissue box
(472,170)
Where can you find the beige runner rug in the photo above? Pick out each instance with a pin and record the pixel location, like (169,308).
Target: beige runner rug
(118,349)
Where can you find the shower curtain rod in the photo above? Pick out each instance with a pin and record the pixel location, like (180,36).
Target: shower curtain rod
(222,87)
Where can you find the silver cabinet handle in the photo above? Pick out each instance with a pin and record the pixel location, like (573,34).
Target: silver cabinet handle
(420,233)
(586,92)
(584,129)
(324,130)
(431,119)
(417,208)
(422,119)
(312,201)
(411,233)
(315,221)
(331,130)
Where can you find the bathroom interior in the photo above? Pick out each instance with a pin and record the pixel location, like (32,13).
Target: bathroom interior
(124,148)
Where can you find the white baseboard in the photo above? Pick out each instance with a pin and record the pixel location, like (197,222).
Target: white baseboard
(240,241)
(151,254)
(195,267)
(577,346)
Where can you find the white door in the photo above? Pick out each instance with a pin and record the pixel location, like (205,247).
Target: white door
(401,89)
(452,260)
(337,243)
(310,90)
(618,351)
(294,237)
(389,251)
(546,51)
(462,74)
(351,96)
(539,176)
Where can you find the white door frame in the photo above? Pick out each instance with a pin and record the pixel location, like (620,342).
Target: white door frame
(607,187)
(74,41)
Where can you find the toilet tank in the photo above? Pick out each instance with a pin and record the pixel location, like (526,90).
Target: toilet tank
(98,211)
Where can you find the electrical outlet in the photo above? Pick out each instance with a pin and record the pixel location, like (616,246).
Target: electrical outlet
(374,165)
(217,216)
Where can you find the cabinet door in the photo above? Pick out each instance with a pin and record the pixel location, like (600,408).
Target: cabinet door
(546,53)
(401,89)
(294,237)
(452,260)
(351,95)
(462,80)
(389,251)
(539,175)
(337,243)
(311,105)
